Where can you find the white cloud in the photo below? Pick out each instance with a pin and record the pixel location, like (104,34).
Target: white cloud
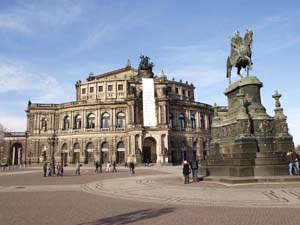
(14,77)
(29,18)
(200,63)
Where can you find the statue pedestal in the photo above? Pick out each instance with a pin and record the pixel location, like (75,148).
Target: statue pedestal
(246,141)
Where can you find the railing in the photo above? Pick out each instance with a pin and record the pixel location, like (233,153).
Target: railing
(14,134)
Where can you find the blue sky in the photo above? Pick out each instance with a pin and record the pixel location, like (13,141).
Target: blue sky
(46,46)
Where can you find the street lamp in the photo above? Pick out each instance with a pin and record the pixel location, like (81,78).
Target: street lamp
(52,141)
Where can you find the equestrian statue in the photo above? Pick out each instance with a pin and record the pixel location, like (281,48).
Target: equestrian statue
(240,55)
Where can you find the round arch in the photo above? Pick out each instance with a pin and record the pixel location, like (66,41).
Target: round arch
(149,150)
(64,154)
(89,153)
(120,157)
(104,156)
(76,153)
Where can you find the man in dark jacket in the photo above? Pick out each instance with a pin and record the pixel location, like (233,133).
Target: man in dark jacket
(292,159)
(186,172)
(194,166)
(45,169)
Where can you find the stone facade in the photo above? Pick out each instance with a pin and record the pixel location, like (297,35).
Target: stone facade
(105,123)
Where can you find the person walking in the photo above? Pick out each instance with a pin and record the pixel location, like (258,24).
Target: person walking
(108,166)
(100,167)
(58,168)
(114,167)
(291,161)
(45,169)
(49,171)
(77,172)
(97,167)
(186,172)
(296,158)
(194,166)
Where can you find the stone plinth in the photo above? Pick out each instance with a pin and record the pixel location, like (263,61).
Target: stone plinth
(247,141)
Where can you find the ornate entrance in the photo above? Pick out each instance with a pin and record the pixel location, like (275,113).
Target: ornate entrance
(149,150)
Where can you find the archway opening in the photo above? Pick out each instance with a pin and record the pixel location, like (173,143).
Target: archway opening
(104,153)
(89,153)
(76,153)
(149,150)
(64,154)
(120,153)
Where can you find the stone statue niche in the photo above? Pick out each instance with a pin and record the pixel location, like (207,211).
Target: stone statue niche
(245,140)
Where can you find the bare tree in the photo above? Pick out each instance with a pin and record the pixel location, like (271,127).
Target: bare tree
(2,130)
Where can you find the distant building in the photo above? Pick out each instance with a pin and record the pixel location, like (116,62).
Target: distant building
(105,123)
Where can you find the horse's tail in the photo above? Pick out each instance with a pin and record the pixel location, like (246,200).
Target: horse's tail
(228,66)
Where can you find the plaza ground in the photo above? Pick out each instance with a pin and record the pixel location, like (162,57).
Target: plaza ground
(154,195)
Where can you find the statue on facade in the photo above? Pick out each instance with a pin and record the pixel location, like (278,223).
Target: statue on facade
(145,64)
(240,54)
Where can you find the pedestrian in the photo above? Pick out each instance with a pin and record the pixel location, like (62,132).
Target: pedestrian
(58,168)
(100,167)
(114,167)
(77,172)
(62,170)
(132,168)
(97,167)
(186,172)
(126,165)
(49,171)
(296,158)
(194,166)
(45,169)
(108,166)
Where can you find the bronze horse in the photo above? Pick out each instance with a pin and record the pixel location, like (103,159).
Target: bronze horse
(240,56)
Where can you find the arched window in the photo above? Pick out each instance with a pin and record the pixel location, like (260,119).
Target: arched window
(90,147)
(171,120)
(181,121)
(105,120)
(120,120)
(77,124)
(91,121)
(66,125)
(120,152)
(64,148)
(193,124)
(44,124)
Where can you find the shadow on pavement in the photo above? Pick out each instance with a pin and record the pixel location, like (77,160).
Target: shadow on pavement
(131,217)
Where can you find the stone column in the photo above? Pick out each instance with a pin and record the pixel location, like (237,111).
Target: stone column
(19,156)
(13,156)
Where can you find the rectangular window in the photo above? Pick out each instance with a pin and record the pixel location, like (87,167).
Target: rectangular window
(169,90)
(91,89)
(189,93)
(183,91)
(83,91)
(100,88)
(176,90)
(120,87)
(109,87)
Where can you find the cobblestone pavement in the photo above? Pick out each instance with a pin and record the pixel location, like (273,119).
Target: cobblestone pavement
(153,196)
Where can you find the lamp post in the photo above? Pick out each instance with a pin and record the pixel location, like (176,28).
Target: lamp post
(52,141)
